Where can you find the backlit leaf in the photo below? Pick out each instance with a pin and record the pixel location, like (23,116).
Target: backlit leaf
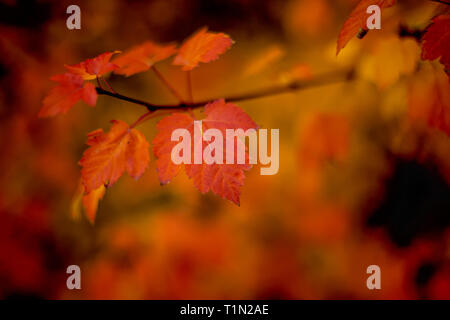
(224,179)
(70,90)
(110,154)
(93,68)
(142,57)
(204,47)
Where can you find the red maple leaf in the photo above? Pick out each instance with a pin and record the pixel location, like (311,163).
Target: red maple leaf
(436,41)
(224,179)
(357,20)
(204,47)
(142,57)
(93,68)
(70,90)
(110,154)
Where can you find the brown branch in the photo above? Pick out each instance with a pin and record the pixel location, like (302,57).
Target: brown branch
(320,80)
(441,1)
(416,34)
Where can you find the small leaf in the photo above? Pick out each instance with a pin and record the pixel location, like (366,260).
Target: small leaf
(204,47)
(357,20)
(142,57)
(93,68)
(70,90)
(110,154)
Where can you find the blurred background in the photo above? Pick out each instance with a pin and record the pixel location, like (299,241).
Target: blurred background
(362,180)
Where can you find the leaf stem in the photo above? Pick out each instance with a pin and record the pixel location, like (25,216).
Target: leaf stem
(98,82)
(189,83)
(167,84)
(141,118)
(148,115)
(109,86)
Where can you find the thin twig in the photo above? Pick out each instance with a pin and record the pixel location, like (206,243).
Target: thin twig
(141,118)
(98,82)
(109,86)
(320,80)
(167,84)
(441,1)
(149,115)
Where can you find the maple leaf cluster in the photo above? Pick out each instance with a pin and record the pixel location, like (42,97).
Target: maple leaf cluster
(124,148)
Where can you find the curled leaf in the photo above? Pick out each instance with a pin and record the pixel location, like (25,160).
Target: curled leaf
(90,202)
(86,203)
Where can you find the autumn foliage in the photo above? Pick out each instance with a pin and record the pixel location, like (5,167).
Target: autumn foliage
(364,176)
(224,180)
(124,148)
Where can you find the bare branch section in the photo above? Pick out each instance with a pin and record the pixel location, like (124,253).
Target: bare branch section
(441,1)
(320,80)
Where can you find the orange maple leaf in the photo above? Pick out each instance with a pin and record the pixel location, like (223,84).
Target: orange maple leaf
(93,68)
(224,180)
(203,46)
(143,57)
(110,154)
(357,20)
(436,41)
(429,99)
(70,90)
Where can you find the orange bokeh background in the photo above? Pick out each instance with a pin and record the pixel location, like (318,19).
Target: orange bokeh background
(361,182)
